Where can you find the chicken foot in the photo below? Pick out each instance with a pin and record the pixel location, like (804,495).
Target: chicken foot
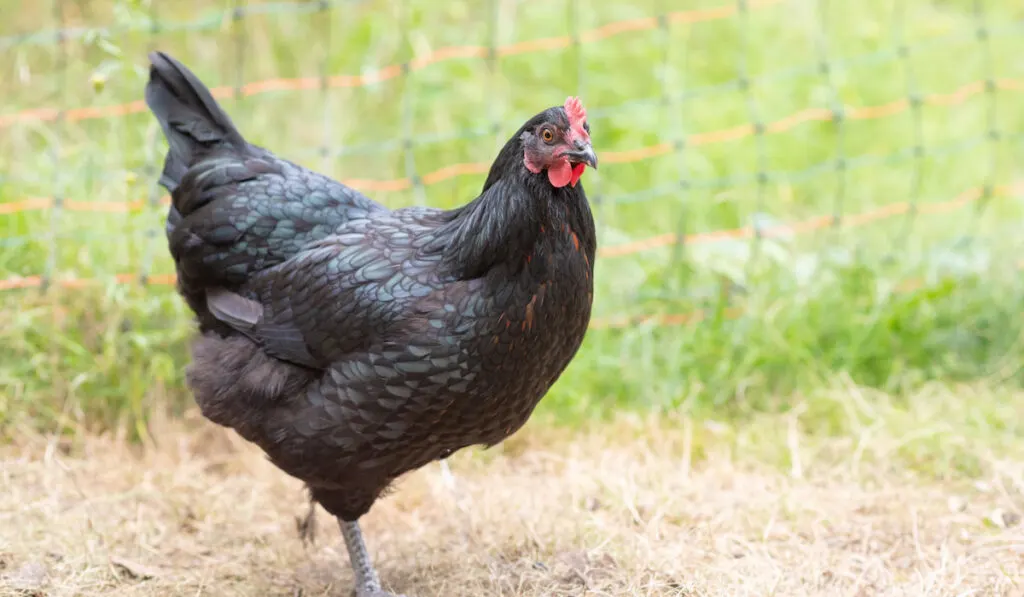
(367,582)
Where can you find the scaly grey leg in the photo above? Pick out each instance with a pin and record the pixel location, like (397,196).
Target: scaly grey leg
(367,582)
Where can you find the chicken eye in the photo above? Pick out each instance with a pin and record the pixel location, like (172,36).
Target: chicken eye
(547,135)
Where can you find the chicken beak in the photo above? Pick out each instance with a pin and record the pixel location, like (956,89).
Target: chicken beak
(583,155)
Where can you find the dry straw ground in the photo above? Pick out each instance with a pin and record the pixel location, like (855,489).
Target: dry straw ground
(634,508)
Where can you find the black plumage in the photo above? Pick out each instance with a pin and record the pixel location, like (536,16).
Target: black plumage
(354,343)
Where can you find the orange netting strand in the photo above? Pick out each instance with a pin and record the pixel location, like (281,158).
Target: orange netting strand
(37,281)
(393,70)
(661,320)
(955,97)
(815,223)
(800,227)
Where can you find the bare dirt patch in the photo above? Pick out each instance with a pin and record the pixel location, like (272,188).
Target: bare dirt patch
(204,514)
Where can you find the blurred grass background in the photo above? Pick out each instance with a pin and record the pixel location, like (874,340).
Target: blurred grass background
(877,241)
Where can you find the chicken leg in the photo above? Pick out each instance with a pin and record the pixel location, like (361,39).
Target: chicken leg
(367,583)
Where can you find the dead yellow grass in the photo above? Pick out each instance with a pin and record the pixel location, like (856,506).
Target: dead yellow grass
(203,514)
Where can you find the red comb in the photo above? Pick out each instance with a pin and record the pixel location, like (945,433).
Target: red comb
(577,117)
(576,112)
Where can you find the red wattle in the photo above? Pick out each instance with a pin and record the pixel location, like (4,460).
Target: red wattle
(577,172)
(560,174)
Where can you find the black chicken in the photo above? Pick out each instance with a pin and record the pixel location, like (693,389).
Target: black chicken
(354,343)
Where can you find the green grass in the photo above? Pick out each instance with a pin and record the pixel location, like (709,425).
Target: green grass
(891,304)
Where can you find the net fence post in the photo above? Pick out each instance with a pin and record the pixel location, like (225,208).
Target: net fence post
(753,110)
(825,69)
(419,194)
(993,135)
(150,169)
(56,149)
(575,14)
(239,42)
(494,70)
(674,104)
(915,101)
(597,199)
(324,16)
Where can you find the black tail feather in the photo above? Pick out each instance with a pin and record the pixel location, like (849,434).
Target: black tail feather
(191,119)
